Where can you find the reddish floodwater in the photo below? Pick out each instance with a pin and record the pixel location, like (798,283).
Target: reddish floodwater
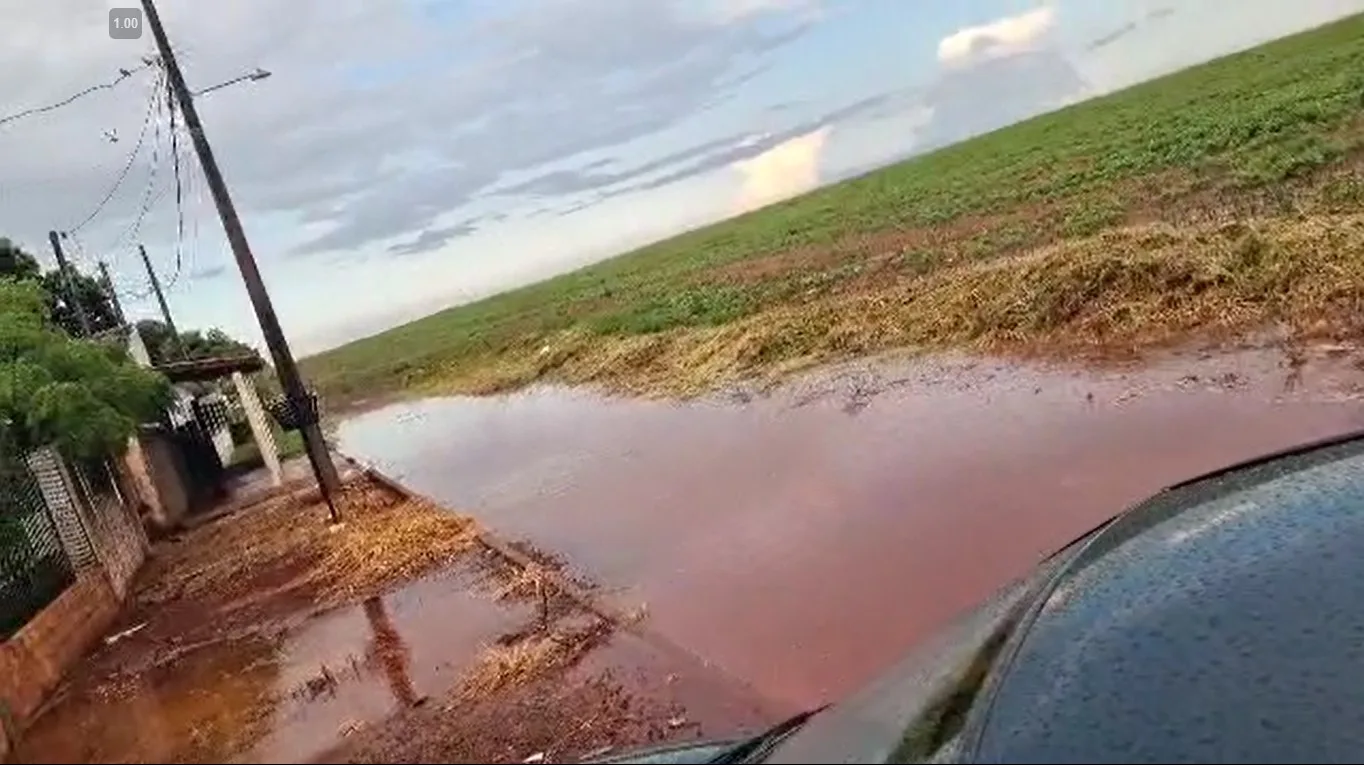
(285,699)
(294,697)
(384,655)
(803,541)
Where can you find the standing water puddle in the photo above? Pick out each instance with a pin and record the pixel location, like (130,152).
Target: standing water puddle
(358,665)
(802,541)
(283,699)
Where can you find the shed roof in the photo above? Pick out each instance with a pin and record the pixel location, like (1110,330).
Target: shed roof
(205,370)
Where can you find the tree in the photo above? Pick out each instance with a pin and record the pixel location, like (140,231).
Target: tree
(16,263)
(195,344)
(92,293)
(83,396)
(93,296)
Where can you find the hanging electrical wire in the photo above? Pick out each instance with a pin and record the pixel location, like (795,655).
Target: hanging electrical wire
(179,182)
(132,158)
(179,191)
(123,74)
(130,232)
(131,293)
(75,248)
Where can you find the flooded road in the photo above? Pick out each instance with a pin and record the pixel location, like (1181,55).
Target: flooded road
(381,681)
(804,540)
(284,698)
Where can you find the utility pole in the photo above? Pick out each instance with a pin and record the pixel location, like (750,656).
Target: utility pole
(285,367)
(69,284)
(161,301)
(113,295)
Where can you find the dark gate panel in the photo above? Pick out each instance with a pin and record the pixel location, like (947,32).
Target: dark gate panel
(34,567)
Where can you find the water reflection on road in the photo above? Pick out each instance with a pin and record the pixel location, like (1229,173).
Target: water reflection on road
(804,540)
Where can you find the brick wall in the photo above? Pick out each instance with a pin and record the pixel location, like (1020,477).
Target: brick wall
(105,541)
(139,473)
(165,468)
(33,661)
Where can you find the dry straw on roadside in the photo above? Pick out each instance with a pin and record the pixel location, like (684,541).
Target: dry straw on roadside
(384,539)
(530,658)
(1130,288)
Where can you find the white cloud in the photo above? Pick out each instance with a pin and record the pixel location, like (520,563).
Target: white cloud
(783,171)
(1005,36)
(728,11)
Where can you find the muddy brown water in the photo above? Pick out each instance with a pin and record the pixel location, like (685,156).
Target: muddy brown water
(803,540)
(286,698)
(334,688)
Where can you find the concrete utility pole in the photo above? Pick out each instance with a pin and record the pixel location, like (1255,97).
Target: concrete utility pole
(113,295)
(69,284)
(285,367)
(161,301)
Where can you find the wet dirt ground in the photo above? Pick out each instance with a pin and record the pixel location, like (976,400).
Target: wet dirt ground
(238,647)
(801,540)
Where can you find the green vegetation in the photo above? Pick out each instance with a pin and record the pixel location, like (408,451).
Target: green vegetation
(1108,223)
(92,293)
(85,397)
(289,444)
(193,344)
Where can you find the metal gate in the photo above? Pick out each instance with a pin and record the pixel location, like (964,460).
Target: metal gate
(34,565)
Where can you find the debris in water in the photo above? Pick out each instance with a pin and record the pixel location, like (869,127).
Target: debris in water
(1335,349)
(537,757)
(117,636)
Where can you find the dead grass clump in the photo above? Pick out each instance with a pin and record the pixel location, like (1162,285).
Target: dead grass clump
(524,582)
(1147,284)
(288,544)
(391,543)
(535,655)
(1128,288)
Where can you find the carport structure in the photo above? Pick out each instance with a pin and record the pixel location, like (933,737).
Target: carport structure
(183,459)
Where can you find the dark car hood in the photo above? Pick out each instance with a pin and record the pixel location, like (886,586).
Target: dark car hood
(1221,622)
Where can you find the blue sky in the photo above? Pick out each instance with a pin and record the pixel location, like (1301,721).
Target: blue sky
(408,156)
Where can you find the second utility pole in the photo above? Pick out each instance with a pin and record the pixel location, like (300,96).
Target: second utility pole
(69,284)
(176,345)
(112,293)
(285,367)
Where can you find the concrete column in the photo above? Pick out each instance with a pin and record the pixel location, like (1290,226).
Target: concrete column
(138,467)
(260,426)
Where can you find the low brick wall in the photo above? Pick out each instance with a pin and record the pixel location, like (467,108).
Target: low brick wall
(35,659)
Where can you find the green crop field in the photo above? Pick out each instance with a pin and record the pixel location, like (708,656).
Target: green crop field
(1220,198)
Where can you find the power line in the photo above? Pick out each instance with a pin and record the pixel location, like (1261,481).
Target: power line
(77,248)
(135,226)
(179,190)
(123,74)
(132,158)
(182,179)
(197,199)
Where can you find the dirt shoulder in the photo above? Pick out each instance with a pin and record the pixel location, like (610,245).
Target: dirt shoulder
(270,635)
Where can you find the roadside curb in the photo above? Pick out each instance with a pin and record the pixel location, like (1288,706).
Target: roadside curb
(492,542)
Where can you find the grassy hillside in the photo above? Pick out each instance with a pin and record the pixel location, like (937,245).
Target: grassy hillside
(1224,196)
